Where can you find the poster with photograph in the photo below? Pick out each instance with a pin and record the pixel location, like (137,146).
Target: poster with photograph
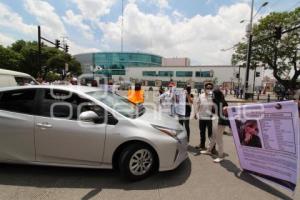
(267,140)
(180,98)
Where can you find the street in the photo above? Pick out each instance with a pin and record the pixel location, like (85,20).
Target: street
(197,178)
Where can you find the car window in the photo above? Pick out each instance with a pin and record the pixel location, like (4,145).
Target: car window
(21,101)
(21,81)
(119,103)
(67,105)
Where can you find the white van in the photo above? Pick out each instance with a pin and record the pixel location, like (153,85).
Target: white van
(13,78)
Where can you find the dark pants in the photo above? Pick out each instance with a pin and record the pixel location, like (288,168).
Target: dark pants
(186,122)
(203,124)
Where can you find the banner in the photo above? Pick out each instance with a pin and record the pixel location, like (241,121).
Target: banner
(266,137)
(180,101)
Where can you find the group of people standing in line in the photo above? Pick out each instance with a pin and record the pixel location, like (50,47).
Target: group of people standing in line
(207,106)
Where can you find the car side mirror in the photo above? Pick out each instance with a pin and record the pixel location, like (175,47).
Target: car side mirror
(111,120)
(91,116)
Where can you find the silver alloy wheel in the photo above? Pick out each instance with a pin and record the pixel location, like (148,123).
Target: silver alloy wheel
(141,162)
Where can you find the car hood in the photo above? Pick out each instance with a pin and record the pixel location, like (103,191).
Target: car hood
(160,119)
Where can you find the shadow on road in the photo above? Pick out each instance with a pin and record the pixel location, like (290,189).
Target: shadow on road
(231,167)
(96,179)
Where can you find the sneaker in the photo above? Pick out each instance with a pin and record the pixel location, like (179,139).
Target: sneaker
(205,152)
(218,160)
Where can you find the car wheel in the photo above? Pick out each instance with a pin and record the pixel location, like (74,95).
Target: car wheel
(136,162)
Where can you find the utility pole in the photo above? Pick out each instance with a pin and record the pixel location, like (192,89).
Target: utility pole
(254,83)
(249,49)
(39,47)
(122,26)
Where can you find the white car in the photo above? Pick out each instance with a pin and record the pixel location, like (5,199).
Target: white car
(80,126)
(13,78)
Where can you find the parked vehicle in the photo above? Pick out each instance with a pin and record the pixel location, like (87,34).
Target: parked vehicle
(81,126)
(13,78)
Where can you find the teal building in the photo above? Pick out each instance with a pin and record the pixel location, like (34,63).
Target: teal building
(115,63)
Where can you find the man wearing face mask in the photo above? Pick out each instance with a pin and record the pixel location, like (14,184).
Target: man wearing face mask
(203,112)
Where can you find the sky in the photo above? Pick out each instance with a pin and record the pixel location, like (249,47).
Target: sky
(197,29)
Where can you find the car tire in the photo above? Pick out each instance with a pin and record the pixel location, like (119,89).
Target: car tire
(136,162)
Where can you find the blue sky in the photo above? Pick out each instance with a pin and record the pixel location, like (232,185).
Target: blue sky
(197,29)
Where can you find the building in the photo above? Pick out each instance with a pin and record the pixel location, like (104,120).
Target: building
(150,70)
(176,62)
(196,76)
(115,63)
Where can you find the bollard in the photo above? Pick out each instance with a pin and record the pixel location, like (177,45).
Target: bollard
(269,97)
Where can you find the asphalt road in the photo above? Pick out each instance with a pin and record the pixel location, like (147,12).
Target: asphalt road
(197,178)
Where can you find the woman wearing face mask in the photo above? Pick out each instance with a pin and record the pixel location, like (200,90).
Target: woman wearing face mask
(185,120)
(220,105)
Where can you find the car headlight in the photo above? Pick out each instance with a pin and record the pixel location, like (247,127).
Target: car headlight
(171,132)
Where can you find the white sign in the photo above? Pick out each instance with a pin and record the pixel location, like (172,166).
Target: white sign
(180,101)
(267,140)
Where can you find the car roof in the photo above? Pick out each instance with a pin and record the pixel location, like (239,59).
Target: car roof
(13,73)
(72,88)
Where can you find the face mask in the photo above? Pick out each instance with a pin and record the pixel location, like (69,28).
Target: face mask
(208,91)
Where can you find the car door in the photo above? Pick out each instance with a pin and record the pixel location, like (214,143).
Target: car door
(17,125)
(60,137)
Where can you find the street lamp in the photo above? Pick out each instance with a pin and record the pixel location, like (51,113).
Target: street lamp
(246,92)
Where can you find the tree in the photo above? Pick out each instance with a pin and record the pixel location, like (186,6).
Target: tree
(9,59)
(280,55)
(23,56)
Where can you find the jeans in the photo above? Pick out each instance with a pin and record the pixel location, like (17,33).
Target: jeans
(203,124)
(186,122)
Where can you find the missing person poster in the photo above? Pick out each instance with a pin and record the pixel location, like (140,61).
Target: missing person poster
(267,140)
(180,98)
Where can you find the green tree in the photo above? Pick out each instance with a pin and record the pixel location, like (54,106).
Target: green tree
(9,59)
(23,56)
(280,55)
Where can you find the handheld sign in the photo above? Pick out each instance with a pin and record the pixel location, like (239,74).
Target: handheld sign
(267,138)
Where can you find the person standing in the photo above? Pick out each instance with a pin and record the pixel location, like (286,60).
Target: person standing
(185,120)
(203,112)
(136,95)
(171,98)
(217,138)
(163,103)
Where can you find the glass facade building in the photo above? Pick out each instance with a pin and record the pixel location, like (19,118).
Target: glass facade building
(114,63)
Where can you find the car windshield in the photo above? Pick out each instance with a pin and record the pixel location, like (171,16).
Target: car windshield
(119,103)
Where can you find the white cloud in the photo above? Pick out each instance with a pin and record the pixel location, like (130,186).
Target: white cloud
(159,3)
(50,22)
(77,21)
(6,40)
(13,21)
(93,9)
(198,37)
(77,49)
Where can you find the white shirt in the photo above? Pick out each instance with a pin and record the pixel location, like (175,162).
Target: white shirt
(204,107)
